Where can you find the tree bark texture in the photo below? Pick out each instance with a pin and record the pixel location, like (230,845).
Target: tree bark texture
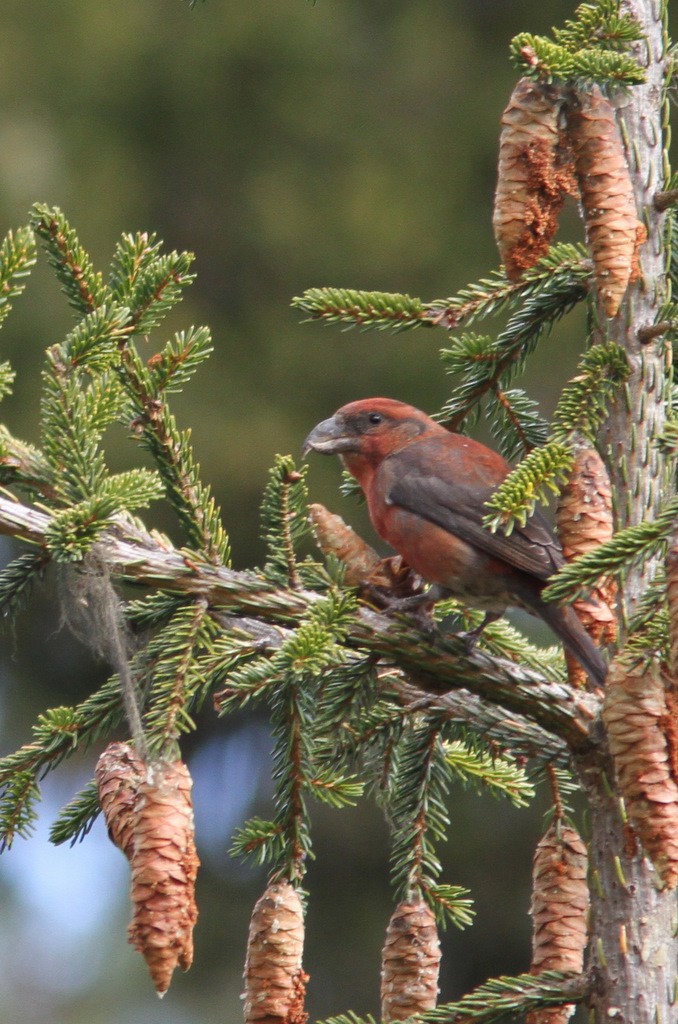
(633,951)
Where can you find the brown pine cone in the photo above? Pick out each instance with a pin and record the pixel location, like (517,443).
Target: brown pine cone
(613,231)
(560,902)
(275,983)
(584,519)
(119,773)
(635,715)
(149,814)
(534,175)
(410,962)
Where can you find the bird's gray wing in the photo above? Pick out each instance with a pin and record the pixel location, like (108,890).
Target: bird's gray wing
(460,510)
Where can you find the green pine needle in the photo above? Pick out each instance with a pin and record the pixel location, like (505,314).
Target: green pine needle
(598,24)
(147,281)
(84,287)
(486,366)
(451,904)
(76,819)
(17,579)
(353,308)
(18,813)
(539,57)
(17,258)
(284,519)
(594,45)
(516,498)
(174,366)
(494,774)
(585,401)
(336,790)
(501,997)
(176,687)
(259,841)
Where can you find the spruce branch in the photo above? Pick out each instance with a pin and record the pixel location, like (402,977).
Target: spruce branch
(541,58)
(171,448)
(496,999)
(417,810)
(144,285)
(17,579)
(599,24)
(76,819)
(492,295)
(596,45)
(515,422)
(147,281)
(174,366)
(260,841)
(396,312)
(354,308)
(76,409)
(437,665)
(490,773)
(284,519)
(585,401)
(23,466)
(499,997)
(629,546)
(543,470)
(583,405)
(486,364)
(177,680)
(59,732)
(84,287)
(17,808)
(17,258)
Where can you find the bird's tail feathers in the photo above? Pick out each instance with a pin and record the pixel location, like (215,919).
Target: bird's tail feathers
(564,622)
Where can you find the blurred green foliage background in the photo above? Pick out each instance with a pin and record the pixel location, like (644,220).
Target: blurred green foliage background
(351,143)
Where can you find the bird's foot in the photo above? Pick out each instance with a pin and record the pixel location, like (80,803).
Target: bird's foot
(418,608)
(471,636)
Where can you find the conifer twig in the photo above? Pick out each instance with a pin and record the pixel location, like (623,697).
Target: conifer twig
(436,667)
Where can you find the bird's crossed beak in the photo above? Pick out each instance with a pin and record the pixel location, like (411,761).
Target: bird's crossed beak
(329,438)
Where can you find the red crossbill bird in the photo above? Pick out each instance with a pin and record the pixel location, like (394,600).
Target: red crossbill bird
(426,490)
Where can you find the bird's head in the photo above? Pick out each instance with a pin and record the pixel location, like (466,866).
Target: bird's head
(365,432)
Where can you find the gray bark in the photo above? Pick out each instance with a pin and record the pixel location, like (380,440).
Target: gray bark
(633,949)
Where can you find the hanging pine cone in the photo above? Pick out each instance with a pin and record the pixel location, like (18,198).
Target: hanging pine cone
(275,984)
(560,902)
(119,772)
(150,817)
(635,715)
(534,175)
(164,869)
(584,519)
(613,231)
(410,962)
(672,600)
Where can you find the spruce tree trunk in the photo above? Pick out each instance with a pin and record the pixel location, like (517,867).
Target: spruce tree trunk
(633,924)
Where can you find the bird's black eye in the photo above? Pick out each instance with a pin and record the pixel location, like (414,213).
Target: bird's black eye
(374,417)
